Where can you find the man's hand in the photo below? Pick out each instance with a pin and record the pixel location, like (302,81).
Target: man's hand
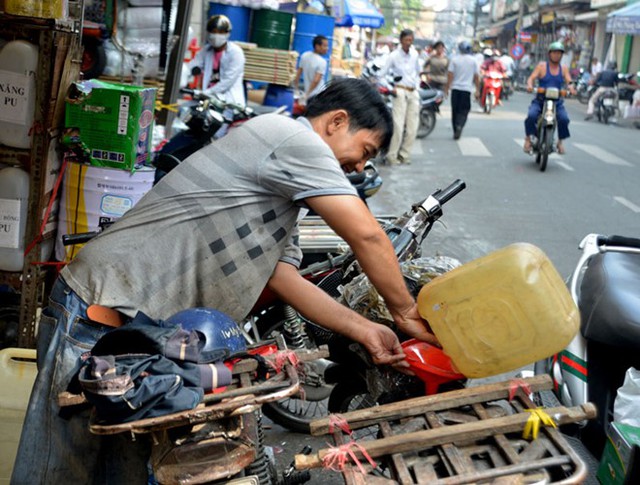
(383,345)
(411,323)
(529,88)
(572,90)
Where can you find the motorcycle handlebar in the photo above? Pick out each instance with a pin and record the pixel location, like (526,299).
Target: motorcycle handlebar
(444,196)
(629,242)
(80,238)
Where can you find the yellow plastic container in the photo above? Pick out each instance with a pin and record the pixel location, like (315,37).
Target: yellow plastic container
(500,312)
(17,375)
(48,9)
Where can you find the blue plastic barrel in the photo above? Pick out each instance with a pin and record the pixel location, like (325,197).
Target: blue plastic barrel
(240,19)
(309,25)
(279,96)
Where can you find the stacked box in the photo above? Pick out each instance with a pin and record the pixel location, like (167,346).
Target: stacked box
(621,454)
(112,122)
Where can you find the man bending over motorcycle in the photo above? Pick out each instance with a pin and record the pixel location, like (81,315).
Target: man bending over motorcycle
(215,232)
(549,74)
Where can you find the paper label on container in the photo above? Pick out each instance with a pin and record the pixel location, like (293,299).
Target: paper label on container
(9,223)
(15,90)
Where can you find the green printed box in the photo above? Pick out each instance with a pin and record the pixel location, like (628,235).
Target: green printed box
(620,456)
(112,122)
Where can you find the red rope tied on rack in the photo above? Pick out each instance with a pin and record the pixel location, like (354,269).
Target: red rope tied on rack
(337,421)
(52,199)
(338,456)
(515,384)
(283,357)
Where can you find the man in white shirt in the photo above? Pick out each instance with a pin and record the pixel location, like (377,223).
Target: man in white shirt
(404,63)
(312,68)
(463,80)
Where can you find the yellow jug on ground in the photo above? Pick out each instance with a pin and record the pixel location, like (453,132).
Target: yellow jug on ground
(500,312)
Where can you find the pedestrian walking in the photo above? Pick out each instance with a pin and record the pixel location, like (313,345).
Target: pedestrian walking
(436,67)
(404,63)
(312,69)
(463,79)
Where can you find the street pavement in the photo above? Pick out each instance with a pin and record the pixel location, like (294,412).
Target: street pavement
(592,188)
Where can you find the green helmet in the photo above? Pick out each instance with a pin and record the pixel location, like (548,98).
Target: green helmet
(556,46)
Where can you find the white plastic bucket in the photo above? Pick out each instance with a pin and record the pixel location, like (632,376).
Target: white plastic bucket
(91,193)
(18,66)
(14,201)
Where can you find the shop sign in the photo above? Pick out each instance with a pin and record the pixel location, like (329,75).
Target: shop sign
(606,3)
(14,96)
(547,17)
(525,37)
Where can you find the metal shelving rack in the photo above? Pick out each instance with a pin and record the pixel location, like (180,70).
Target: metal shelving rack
(60,55)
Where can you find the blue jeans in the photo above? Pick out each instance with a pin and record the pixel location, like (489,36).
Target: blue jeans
(535,108)
(58,449)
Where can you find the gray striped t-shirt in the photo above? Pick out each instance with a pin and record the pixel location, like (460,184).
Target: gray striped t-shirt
(212,231)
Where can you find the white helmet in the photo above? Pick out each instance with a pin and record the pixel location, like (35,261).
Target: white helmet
(487,52)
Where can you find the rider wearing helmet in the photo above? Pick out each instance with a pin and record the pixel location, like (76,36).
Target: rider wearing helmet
(549,74)
(221,62)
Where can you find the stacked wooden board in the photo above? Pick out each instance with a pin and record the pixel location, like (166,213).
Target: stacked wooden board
(273,66)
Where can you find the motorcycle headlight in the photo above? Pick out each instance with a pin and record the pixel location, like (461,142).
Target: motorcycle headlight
(552,93)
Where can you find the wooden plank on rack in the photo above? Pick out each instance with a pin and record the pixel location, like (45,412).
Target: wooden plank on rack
(402,471)
(437,402)
(451,434)
(501,439)
(459,463)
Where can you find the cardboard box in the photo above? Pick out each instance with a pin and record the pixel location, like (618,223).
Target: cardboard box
(112,122)
(620,455)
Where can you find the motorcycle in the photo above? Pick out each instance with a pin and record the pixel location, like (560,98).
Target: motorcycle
(584,90)
(605,285)
(491,89)
(430,101)
(543,144)
(357,381)
(407,233)
(204,117)
(607,105)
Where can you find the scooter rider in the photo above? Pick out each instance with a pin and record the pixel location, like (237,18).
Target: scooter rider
(221,62)
(605,80)
(491,64)
(215,232)
(549,74)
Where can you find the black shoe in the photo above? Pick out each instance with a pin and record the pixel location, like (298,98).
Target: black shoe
(456,133)
(588,117)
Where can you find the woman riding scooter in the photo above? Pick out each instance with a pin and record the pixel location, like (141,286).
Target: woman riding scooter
(550,74)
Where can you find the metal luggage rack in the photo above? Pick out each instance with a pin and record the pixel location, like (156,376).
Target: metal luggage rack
(242,396)
(474,435)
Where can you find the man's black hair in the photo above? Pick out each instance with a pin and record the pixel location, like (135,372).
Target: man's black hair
(363,103)
(438,44)
(318,40)
(406,33)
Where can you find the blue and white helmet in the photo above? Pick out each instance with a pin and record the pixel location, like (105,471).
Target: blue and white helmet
(219,329)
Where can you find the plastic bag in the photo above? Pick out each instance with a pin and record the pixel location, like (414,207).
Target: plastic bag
(626,407)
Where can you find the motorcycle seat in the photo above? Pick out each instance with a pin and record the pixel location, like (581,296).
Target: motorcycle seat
(610,300)
(428,93)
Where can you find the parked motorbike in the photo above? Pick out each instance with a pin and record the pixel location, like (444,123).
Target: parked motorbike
(357,381)
(607,105)
(491,89)
(605,285)
(543,144)
(430,101)
(204,116)
(627,86)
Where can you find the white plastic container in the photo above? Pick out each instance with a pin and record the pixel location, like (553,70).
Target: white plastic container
(14,201)
(18,66)
(92,193)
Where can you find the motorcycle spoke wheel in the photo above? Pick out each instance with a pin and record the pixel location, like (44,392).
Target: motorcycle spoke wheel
(546,146)
(347,397)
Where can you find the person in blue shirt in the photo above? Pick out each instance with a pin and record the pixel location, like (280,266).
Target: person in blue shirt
(605,80)
(549,74)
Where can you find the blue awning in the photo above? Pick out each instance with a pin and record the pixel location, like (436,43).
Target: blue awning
(625,20)
(357,12)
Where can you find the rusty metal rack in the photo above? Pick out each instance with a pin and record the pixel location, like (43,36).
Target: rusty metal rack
(474,435)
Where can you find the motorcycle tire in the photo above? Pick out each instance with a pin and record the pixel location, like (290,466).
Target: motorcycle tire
(606,116)
(427,123)
(583,96)
(545,147)
(489,102)
(351,395)
(293,413)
